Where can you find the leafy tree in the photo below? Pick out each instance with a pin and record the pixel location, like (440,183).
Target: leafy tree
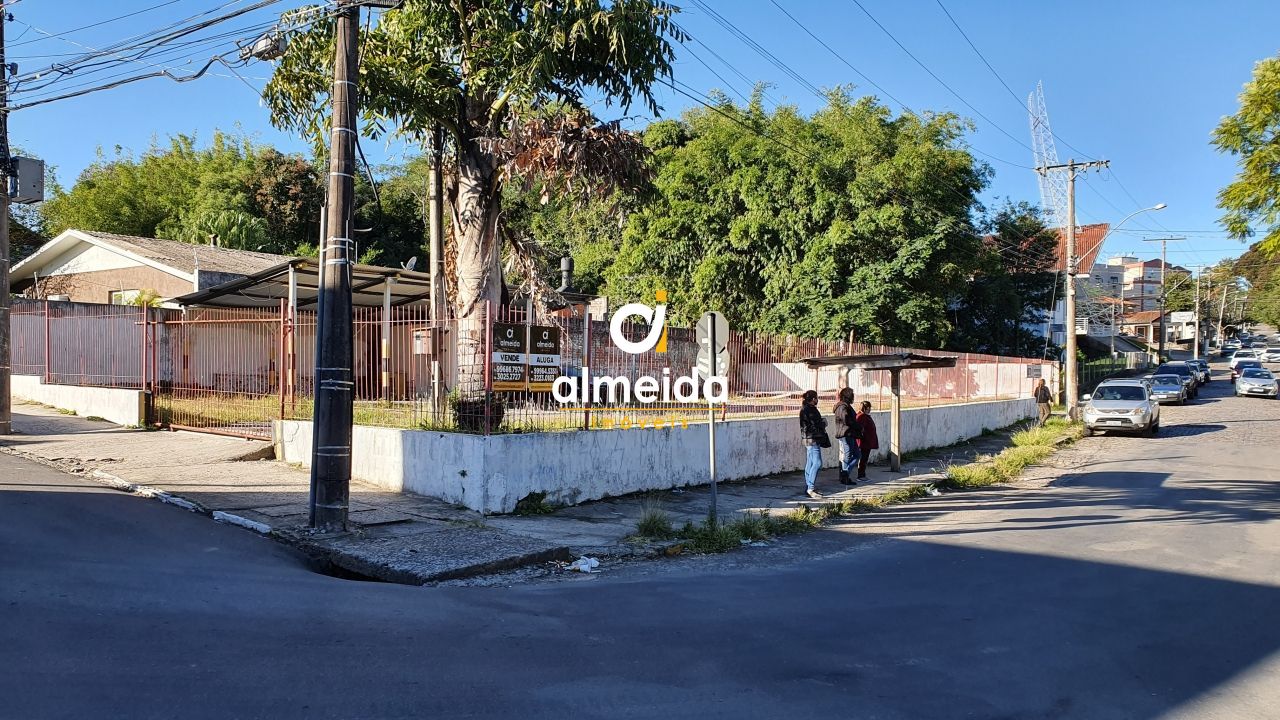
(1253,134)
(509,83)
(1009,298)
(849,221)
(287,193)
(1180,292)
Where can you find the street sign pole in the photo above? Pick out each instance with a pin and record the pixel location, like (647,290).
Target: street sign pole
(711,428)
(713,359)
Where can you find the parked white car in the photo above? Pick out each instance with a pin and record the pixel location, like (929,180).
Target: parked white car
(1271,354)
(1256,382)
(1124,405)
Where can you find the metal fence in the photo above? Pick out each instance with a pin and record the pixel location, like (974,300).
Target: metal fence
(235,371)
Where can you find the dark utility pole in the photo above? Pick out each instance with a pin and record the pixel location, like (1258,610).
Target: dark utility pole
(331,441)
(1069,266)
(6,402)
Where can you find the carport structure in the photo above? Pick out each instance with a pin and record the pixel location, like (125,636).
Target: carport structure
(894,363)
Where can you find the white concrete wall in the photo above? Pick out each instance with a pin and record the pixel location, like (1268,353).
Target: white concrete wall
(491,474)
(122,407)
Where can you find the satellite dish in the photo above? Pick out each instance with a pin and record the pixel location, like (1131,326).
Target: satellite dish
(413,261)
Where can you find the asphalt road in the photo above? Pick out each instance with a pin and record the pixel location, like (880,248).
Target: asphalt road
(1142,583)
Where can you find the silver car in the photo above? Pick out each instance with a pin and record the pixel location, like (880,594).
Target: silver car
(1256,382)
(1122,405)
(1168,389)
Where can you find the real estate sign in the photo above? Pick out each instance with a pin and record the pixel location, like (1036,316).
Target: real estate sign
(510,362)
(544,357)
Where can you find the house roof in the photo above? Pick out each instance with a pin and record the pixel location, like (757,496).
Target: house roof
(177,258)
(186,256)
(1088,245)
(1142,318)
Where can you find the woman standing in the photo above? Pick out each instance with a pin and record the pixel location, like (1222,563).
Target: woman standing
(813,430)
(847,433)
(868,441)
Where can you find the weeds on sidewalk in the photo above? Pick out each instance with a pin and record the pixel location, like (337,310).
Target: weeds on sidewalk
(702,538)
(1030,446)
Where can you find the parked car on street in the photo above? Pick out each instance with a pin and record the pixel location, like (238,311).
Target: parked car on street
(1238,368)
(1205,374)
(1168,389)
(1186,372)
(1242,355)
(1256,382)
(1124,405)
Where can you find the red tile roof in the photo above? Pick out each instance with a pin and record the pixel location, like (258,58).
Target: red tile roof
(1088,245)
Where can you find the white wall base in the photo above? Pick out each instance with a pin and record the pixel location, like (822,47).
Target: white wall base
(491,474)
(120,406)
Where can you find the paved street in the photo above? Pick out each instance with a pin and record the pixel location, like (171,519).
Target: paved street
(1135,578)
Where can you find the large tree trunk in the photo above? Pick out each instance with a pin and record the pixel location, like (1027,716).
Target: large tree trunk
(479,279)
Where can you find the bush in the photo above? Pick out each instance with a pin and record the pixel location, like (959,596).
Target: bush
(655,524)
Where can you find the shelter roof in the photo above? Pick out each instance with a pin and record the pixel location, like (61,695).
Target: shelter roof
(883,361)
(268,287)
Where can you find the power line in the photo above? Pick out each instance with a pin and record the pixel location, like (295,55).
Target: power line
(940,80)
(100,23)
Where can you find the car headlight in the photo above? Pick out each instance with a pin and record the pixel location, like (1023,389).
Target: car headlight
(1138,411)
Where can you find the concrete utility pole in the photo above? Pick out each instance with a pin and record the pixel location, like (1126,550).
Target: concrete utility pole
(436,232)
(335,386)
(1069,265)
(6,402)
(1195,349)
(1164,264)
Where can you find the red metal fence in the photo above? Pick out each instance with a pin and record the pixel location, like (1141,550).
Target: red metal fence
(235,371)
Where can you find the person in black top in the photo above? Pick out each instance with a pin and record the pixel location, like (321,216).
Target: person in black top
(1044,402)
(813,431)
(847,432)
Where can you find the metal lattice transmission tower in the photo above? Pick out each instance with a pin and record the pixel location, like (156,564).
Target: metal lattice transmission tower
(1053,185)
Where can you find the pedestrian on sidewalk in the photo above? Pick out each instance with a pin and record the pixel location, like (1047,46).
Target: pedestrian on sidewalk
(1044,402)
(813,430)
(868,440)
(847,433)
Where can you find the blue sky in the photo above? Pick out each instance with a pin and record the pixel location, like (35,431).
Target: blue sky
(1140,84)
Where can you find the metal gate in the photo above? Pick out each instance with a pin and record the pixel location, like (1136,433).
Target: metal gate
(217,370)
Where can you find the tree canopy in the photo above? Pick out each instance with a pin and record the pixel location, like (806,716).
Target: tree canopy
(509,82)
(1008,301)
(251,197)
(850,220)
(1252,201)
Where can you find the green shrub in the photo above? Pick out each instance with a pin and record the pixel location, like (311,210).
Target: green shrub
(655,524)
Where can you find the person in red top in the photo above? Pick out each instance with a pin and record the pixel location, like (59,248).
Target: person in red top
(868,441)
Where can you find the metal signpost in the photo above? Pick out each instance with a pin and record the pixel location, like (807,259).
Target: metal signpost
(713,359)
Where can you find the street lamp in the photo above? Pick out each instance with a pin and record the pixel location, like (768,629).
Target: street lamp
(1113,228)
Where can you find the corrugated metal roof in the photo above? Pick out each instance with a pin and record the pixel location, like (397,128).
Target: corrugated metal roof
(185,257)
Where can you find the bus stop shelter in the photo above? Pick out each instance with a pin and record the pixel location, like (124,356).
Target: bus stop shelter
(894,363)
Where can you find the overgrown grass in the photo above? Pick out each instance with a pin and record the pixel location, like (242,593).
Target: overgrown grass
(1030,446)
(655,524)
(534,503)
(704,538)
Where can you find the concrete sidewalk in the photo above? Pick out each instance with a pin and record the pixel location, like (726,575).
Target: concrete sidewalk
(403,537)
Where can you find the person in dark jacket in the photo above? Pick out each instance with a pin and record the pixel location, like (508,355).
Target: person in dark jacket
(1044,402)
(813,430)
(847,433)
(868,441)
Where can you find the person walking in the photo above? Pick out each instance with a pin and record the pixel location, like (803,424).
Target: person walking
(847,433)
(813,431)
(868,440)
(1044,402)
